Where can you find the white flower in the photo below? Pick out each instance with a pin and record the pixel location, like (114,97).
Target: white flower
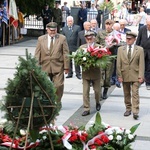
(130,136)
(109,131)
(23,132)
(105,124)
(127,131)
(84,58)
(119,131)
(74,53)
(110,137)
(44,137)
(118,137)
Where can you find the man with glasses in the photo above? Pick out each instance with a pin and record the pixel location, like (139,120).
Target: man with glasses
(93,74)
(130,71)
(52,54)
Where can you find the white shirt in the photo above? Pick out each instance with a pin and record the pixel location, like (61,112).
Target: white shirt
(148,33)
(49,41)
(143,19)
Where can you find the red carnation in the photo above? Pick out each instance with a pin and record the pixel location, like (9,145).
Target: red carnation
(98,142)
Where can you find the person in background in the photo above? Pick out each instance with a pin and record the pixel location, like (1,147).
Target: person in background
(66,9)
(52,54)
(71,32)
(148,7)
(141,18)
(81,39)
(94,26)
(93,12)
(92,74)
(123,24)
(130,71)
(143,40)
(20,23)
(64,16)
(100,39)
(46,14)
(99,16)
(114,79)
(82,16)
(57,16)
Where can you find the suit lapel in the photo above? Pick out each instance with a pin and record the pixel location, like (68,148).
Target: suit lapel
(46,44)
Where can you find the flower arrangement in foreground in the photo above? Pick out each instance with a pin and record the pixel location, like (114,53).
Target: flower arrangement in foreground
(99,136)
(92,56)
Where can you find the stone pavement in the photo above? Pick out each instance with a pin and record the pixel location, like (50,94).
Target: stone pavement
(112,109)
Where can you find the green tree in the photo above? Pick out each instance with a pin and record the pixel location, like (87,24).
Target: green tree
(32,6)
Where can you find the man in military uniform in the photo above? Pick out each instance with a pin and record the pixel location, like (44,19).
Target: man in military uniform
(93,74)
(47,16)
(100,39)
(57,16)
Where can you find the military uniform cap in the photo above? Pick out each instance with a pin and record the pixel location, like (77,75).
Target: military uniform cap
(89,34)
(109,21)
(52,25)
(131,34)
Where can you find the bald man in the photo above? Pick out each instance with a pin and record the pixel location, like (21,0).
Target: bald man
(123,23)
(143,40)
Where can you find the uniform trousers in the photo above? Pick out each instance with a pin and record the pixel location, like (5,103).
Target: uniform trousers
(131,96)
(58,80)
(86,91)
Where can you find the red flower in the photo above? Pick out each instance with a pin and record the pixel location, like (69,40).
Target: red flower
(98,142)
(105,138)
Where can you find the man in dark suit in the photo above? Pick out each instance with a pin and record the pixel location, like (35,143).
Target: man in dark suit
(130,71)
(47,16)
(92,74)
(81,38)
(71,32)
(143,40)
(123,29)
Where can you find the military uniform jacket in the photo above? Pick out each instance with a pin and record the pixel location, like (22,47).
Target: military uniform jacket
(131,70)
(93,72)
(55,61)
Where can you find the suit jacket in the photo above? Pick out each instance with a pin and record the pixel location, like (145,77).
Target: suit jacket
(72,36)
(81,38)
(143,40)
(93,72)
(131,70)
(55,61)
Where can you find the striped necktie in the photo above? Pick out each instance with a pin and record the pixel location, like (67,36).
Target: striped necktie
(51,44)
(129,53)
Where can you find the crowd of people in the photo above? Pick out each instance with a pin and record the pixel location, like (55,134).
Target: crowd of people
(130,69)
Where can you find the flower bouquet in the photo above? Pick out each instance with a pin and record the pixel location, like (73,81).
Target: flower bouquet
(115,38)
(92,57)
(99,136)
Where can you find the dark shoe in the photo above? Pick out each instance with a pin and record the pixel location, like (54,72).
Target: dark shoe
(78,76)
(69,76)
(127,113)
(85,113)
(118,85)
(135,116)
(105,93)
(98,106)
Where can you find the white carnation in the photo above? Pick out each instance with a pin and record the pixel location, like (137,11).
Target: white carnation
(44,137)
(119,137)
(110,137)
(23,132)
(130,136)
(127,131)
(84,58)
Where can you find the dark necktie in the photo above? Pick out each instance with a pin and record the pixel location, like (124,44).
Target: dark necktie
(129,52)
(51,44)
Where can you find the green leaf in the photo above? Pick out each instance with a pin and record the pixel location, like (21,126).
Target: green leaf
(34,134)
(98,119)
(133,128)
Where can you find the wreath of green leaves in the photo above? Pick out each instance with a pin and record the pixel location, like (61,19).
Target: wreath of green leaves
(29,79)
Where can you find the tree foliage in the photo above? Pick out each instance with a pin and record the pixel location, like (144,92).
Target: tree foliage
(32,6)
